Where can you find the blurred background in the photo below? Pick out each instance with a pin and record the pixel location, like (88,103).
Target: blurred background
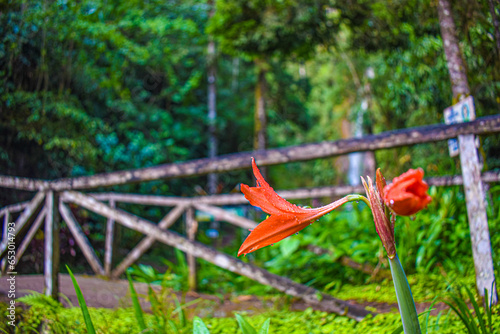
(94,86)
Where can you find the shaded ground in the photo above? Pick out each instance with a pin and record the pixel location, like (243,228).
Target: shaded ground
(111,294)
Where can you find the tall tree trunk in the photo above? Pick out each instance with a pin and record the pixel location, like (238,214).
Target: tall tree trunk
(212,109)
(235,74)
(360,163)
(473,186)
(260,120)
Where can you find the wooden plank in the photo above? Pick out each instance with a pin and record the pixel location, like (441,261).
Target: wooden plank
(141,199)
(23,183)
(13,208)
(301,193)
(51,247)
(31,233)
(25,219)
(323,301)
(191,229)
(148,241)
(81,239)
(109,241)
(390,139)
(221,214)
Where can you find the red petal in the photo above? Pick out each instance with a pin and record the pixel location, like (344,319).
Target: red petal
(273,229)
(264,195)
(408,193)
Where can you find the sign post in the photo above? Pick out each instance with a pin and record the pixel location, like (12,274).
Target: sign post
(461,112)
(465,146)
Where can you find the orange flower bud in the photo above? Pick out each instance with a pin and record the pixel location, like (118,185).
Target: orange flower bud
(383,224)
(408,193)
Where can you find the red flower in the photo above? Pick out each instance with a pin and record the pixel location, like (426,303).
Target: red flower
(285,218)
(408,193)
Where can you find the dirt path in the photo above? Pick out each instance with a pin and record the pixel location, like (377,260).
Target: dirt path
(111,294)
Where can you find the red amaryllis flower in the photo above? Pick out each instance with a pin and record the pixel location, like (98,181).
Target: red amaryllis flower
(285,218)
(408,193)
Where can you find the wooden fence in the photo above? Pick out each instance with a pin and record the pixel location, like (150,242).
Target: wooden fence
(52,200)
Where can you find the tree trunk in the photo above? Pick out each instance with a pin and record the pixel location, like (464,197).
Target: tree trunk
(260,117)
(260,121)
(473,185)
(212,109)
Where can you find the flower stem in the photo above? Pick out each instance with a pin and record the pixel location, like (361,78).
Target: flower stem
(406,303)
(357,198)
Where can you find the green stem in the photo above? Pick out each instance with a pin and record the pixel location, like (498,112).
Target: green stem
(406,304)
(357,198)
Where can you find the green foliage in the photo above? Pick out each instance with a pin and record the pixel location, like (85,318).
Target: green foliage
(479,322)
(261,28)
(283,322)
(86,79)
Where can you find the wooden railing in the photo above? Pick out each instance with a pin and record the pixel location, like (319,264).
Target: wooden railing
(53,197)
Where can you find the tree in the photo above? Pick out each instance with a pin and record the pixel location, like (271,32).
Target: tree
(260,30)
(94,86)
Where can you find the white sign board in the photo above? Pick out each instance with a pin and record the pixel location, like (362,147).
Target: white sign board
(461,112)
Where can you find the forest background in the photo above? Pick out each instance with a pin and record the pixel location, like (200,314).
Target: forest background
(96,86)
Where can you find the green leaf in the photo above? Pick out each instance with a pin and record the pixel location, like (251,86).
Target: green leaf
(245,326)
(405,299)
(264,329)
(288,246)
(83,305)
(199,326)
(400,329)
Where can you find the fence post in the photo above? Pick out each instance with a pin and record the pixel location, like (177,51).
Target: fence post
(109,242)
(473,185)
(51,254)
(478,220)
(6,221)
(191,229)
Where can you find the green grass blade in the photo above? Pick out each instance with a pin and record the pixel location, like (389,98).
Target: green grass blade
(264,329)
(429,313)
(479,316)
(487,307)
(464,308)
(63,296)
(137,306)
(405,299)
(199,326)
(245,326)
(180,311)
(156,308)
(173,326)
(462,317)
(83,305)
